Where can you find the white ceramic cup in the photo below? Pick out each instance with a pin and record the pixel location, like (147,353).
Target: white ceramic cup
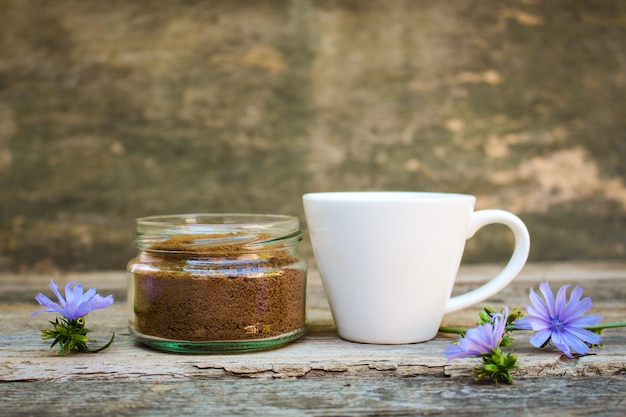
(388,260)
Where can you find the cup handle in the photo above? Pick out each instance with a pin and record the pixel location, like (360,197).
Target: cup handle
(478,220)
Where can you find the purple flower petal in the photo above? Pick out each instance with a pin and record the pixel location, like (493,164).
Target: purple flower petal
(46,302)
(585,335)
(75,304)
(454,352)
(539,323)
(575,295)
(91,292)
(540,338)
(479,340)
(560,302)
(523,323)
(576,345)
(539,304)
(560,342)
(585,321)
(549,298)
(578,309)
(73,292)
(559,320)
(55,290)
(94,303)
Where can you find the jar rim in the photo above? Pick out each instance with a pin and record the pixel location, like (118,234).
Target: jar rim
(211,230)
(219,219)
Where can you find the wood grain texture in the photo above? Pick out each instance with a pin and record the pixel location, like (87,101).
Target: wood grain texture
(319,374)
(350,396)
(113,110)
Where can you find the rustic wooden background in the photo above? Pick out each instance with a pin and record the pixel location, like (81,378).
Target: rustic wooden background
(119,109)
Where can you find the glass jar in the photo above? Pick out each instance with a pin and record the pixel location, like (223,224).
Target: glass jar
(217,283)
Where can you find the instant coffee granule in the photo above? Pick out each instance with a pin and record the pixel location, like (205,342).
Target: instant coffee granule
(218,293)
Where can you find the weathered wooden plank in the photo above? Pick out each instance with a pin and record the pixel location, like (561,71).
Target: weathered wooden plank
(350,396)
(319,374)
(24,357)
(314,354)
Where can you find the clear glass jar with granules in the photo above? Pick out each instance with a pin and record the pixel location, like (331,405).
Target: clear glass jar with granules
(217,283)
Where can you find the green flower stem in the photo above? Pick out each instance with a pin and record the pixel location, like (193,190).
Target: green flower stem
(453,330)
(594,328)
(463,330)
(602,326)
(101,348)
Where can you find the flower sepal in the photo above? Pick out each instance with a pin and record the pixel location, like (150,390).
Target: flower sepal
(71,335)
(496,366)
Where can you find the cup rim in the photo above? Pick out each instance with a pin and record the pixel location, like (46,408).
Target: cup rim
(385,196)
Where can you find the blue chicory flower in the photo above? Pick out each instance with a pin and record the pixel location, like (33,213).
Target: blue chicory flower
(559,321)
(75,304)
(480,340)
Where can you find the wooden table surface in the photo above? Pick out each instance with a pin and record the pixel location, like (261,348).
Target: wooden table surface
(319,374)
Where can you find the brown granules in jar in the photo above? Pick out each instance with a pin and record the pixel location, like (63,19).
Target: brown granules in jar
(218,293)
